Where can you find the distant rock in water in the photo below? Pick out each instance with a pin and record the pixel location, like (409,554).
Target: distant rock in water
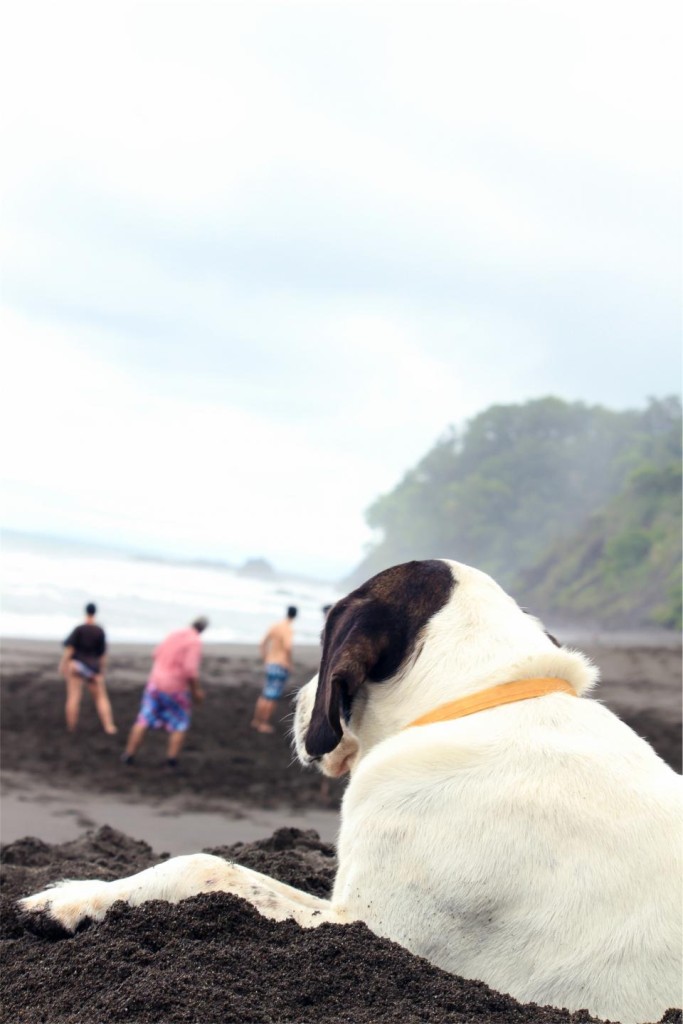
(257,569)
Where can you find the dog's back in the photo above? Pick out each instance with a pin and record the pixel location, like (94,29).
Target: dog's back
(543,839)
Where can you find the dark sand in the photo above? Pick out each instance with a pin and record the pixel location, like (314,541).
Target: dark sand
(213,958)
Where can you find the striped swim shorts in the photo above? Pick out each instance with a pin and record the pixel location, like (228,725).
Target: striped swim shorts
(84,670)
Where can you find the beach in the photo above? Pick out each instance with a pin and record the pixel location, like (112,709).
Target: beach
(70,809)
(228,776)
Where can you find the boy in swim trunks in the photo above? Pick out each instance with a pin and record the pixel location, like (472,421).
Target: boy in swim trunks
(83,660)
(276,651)
(167,698)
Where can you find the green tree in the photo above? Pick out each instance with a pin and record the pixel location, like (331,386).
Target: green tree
(521,481)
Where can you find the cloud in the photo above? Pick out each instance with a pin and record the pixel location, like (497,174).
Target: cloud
(121,459)
(274,250)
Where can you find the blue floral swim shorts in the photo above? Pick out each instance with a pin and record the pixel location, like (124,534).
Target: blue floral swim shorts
(169,711)
(276,680)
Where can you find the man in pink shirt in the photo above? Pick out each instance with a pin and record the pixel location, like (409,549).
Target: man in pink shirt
(173,684)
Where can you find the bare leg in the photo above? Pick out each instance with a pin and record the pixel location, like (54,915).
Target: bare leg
(135,738)
(74,692)
(263,712)
(99,694)
(175,743)
(257,715)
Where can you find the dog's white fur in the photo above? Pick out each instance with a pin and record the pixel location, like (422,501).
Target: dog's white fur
(535,846)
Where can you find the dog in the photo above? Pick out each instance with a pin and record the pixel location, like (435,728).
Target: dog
(497,821)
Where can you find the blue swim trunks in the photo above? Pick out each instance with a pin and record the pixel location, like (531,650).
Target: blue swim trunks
(276,680)
(169,711)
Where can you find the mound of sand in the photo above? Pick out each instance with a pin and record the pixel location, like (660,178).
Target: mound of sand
(214,959)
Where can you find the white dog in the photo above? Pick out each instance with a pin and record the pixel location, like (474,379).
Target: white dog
(497,822)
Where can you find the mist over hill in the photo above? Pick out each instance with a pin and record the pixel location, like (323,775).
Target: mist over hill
(575,509)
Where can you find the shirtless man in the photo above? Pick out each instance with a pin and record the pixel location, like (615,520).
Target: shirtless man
(84,657)
(276,651)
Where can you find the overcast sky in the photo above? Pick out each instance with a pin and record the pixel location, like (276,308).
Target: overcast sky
(257,257)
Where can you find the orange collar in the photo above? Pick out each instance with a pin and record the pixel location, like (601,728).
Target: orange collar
(506,693)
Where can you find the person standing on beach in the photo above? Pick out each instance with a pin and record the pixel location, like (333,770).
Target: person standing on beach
(84,658)
(276,651)
(172,686)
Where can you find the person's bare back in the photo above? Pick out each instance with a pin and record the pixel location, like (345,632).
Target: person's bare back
(276,651)
(276,646)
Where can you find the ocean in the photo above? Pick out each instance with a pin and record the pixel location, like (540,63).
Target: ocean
(45,584)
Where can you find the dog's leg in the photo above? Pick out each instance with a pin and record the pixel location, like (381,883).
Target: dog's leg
(68,904)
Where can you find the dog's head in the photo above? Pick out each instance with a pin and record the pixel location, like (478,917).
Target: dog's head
(411,637)
(368,637)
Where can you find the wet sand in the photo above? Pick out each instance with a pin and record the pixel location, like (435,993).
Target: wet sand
(213,958)
(60,815)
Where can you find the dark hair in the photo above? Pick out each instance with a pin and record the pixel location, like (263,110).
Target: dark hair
(326,609)
(291,612)
(90,609)
(200,623)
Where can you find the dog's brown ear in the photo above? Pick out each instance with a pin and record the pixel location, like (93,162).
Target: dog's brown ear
(352,647)
(367,637)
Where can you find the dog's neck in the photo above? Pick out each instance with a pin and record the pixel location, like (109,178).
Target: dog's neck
(453,664)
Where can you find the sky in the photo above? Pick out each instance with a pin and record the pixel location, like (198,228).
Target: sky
(257,258)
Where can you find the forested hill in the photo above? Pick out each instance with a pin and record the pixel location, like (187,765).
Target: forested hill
(575,509)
